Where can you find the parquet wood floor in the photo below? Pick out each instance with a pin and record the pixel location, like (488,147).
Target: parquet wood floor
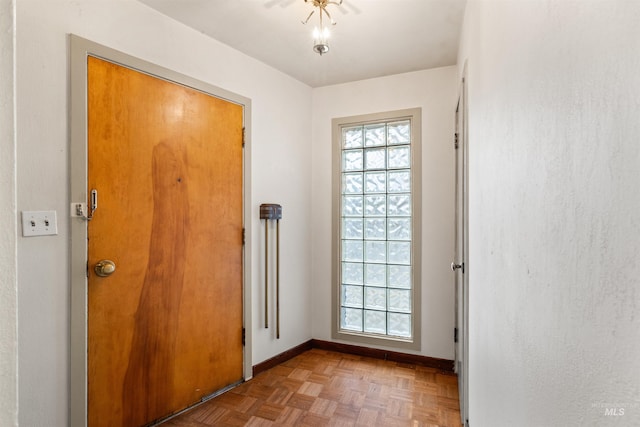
(325,388)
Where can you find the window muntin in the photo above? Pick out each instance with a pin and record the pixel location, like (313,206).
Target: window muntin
(376,230)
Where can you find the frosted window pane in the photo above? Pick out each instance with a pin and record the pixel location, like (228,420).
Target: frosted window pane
(399,229)
(352,137)
(374,135)
(352,296)
(352,183)
(352,250)
(399,205)
(400,324)
(399,181)
(351,319)
(352,273)
(375,251)
(375,205)
(399,157)
(376,232)
(375,274)
(375,228)
(375,298)
(352,228)
(352,206)
(400,300)
(400,252)
(375,158)
(375,322)
(375,182)
(399,133)
(352,160)
(399,276)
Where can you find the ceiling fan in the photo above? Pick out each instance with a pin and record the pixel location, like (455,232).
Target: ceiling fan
(344,6)
(322,8)
(283,3)
(321,33)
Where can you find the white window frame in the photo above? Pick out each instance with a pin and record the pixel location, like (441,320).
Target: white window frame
(414,115)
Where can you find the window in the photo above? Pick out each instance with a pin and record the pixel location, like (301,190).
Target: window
(376,228)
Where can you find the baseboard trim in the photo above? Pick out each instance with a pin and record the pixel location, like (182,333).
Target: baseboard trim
(282,357)
(415,359)
(444,365)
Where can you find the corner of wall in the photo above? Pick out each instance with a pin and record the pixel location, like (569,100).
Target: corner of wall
(8,217)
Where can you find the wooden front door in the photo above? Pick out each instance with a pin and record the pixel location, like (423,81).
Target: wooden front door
(165,329)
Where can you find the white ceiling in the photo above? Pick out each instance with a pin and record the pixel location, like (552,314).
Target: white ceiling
(371,38)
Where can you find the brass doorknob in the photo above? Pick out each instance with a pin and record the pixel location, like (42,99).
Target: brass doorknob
(105,268)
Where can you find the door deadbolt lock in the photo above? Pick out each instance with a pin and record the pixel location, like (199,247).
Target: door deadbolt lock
(105,268)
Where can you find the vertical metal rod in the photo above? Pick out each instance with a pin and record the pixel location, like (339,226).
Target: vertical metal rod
(266,273)
(278,279)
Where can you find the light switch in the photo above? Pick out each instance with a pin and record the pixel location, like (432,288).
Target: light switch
(39,223)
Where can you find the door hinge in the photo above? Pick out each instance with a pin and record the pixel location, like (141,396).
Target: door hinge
(455,334)
(455,141)
(87,271)
(244,336)
(244,132)
(244,236)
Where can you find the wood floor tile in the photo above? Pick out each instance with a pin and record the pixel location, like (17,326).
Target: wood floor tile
(234,419)
(289,384)
(259,422)
(290,416)
(368,417)
(353,398)
(208,415)
(323,407)
(269,411)
(299,374)
(301,401)
(280,396)
(325,388)
(341,422)
(312,420)
(310,389)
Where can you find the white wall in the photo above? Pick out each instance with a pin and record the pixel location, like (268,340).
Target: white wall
(554,212)
(436,92)
(8,260)
(281,150)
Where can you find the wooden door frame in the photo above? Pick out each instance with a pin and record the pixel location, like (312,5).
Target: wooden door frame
(80,49)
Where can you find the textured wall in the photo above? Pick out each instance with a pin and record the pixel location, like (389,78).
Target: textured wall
(281,147)
(436,92)
(8,261)
(554,212)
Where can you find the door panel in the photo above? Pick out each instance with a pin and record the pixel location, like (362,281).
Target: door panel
(165,328)
(461,256)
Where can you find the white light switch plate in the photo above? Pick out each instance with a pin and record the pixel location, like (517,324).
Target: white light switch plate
(39,223)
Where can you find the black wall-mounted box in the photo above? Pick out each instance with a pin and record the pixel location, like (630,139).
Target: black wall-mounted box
(270,211)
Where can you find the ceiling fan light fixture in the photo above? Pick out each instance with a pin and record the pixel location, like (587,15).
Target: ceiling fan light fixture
(321,40)
(321,48)
(321,34)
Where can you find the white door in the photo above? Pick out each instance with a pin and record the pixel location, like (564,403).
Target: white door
(460,264)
